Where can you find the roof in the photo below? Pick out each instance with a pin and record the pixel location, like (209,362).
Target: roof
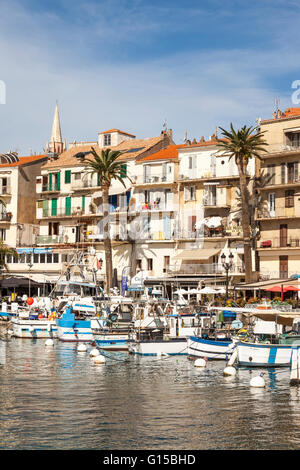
(289,113)
(208,143)
(24,161)
(131,149)
(116,130)
(170,152)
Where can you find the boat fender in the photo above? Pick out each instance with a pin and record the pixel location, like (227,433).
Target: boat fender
(243,334)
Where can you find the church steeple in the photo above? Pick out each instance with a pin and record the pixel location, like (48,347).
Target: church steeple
(55,144)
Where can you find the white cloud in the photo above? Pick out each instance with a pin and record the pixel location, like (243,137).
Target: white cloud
(41,60)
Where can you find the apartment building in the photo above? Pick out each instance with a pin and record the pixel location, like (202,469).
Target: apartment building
(209,227)
(18,225)
(69,207)
(279,211)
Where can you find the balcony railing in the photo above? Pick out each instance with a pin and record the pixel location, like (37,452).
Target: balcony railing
(53,188)
(5,190)
(280,242)
(205,269)
(48,239)
(153,206)
(83,184)
(5,216)
(153,179)
(68,212)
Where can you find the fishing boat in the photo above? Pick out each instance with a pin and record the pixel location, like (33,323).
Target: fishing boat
(112,324)
(73,328)
(162,329)
(264,355)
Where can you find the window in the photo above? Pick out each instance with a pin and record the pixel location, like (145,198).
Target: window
(55,258)
(166,263)
(49,257)
(35,258)
(189,193)
(107,139)
(271,174)
(42,258)
(149,264)
(67,176)
(124,170)
(271,203)
(139,264)
(3,234)
(289,198)
(77,176)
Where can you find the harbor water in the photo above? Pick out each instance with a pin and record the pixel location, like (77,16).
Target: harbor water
(57,398)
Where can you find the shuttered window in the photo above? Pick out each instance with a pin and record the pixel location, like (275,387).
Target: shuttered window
(289,198)
(67,176)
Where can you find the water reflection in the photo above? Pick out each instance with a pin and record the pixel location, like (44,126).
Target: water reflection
(57,398)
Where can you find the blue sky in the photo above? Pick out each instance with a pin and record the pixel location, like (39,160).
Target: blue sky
(134,64)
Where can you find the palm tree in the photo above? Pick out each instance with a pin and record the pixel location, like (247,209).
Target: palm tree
(108,167)
(6,250)
(242,145)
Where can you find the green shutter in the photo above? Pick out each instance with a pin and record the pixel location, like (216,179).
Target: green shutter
(50,182)
(68,206)
(83,202)
(54,207)
(124,170)
(98,179)
(57,181)
(67,176)
(45,208)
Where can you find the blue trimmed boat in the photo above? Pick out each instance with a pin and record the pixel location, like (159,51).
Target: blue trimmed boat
(73,329)
(218,349)
(264,355)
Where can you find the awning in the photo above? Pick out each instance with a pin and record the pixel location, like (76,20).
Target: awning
(282,318)
(113,191)
(200,254)
(17,282)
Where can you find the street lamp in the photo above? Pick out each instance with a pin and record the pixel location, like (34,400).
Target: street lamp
(29,266)
(227,265)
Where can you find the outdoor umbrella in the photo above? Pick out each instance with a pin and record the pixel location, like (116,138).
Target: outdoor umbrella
(208,290)
(290,288)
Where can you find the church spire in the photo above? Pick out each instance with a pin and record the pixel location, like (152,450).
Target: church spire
(56,144)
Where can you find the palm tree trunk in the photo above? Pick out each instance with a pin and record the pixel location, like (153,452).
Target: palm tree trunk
(245,221)
(107,241)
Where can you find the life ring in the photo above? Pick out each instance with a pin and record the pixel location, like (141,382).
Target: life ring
(243,334)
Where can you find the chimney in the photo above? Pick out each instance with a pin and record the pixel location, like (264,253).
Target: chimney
(170,133)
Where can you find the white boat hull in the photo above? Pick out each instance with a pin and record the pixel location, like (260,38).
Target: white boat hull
(112,342)
(25,328)
(154,348)
(211,349)
(264,355)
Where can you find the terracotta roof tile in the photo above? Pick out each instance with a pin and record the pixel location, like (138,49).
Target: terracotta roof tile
(116,130)
(23,161)
(170,152)
(131,150)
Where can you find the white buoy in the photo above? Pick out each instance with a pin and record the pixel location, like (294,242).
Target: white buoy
(49,342)
(94,352)
(100,359)
(229,370)
(81,348)
(200,363)
(258,381)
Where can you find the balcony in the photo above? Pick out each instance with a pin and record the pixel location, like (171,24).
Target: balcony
(280,242)
(152,207)
(157,178)
(5,216)
(68,212)
(193,269)
(5,190)
(48,239)
(79,185)
(46,188)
